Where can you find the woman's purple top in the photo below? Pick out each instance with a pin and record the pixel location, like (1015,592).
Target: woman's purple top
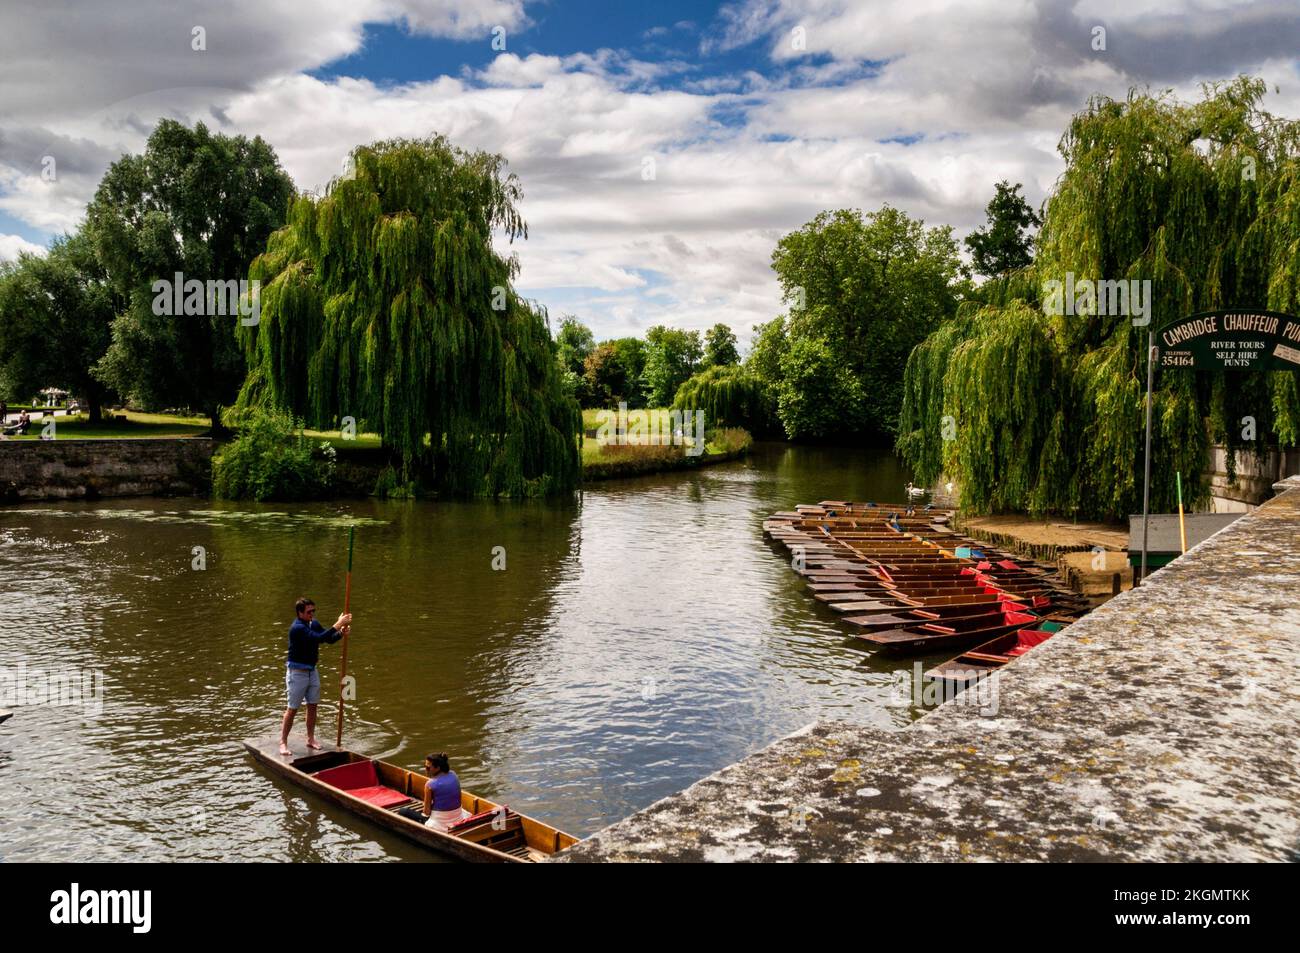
(446,791)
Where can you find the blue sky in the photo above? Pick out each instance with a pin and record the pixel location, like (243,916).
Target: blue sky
(753,115)
(661,31)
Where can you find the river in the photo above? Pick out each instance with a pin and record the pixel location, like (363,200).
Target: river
(638,638)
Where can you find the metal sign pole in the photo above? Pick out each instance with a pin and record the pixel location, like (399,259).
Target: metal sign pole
(1146,483)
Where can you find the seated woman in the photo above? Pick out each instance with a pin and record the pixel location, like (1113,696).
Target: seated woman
(441,796)
(19,427)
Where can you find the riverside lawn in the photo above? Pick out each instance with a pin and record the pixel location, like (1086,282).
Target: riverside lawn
(651,428)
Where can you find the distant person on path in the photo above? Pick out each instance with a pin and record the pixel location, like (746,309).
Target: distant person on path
(441,796)
(301,680)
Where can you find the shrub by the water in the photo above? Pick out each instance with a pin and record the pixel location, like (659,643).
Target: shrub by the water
(271,460)
(729,440)
(394,485)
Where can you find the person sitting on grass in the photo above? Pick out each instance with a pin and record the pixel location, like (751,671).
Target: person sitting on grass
(441,796)
(19,426)
(301,680)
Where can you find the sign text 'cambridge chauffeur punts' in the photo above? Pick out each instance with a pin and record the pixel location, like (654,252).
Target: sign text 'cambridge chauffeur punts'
(1232,340)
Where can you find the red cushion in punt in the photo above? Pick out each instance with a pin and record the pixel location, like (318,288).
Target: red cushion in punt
(1026,639)
(379,796)
(360,780)
(357,774)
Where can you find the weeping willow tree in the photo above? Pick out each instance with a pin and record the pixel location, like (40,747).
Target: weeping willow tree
(730,396)
(1201,200)
(385,301)
(925,429)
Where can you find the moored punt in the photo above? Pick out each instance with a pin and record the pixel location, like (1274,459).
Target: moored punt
(953,634)
(921,590)
(897,604)
(940,614)
(924,598)
(990,656)
(376,790)
(846,507)
(5,715)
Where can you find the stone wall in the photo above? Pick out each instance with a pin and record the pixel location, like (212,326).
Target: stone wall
(89,469)
(1254,482)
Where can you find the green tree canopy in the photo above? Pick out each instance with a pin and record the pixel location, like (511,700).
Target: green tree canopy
(384,300)
(818,392)
(201,204)
(55,315)
(720,346)
(632,355)
(1201,200)
(770,342)
(574,341)
(863,291)
(1006,243)
(606,377)
(672,355)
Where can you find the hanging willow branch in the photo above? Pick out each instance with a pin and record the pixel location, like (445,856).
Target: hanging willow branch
(384,301)
(1203,201)
(730,396)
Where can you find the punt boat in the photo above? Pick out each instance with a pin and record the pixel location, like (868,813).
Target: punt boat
(992,655)
(376,790)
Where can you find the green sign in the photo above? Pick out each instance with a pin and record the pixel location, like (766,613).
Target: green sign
(1232,340)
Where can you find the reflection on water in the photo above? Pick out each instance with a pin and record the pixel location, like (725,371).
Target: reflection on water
(637,639)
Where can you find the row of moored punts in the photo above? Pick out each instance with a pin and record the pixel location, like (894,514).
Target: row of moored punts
(908,584)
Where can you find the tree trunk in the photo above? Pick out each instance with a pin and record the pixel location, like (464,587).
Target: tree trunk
(217,428)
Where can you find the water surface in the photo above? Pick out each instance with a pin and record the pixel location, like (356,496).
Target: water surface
(638,639)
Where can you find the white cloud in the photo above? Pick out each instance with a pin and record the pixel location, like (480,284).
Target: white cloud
(459,19)
(11,246)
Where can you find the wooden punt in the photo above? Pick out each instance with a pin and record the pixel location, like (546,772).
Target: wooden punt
(1026,587)
(991,655)
(487,836)
(914,598)
(916,591)
(953,634)
(860,605)
(848,508)
(941,614)
(5,716)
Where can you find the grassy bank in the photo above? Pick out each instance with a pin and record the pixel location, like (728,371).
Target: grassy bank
(359,460)
(122,424)
(613,461)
